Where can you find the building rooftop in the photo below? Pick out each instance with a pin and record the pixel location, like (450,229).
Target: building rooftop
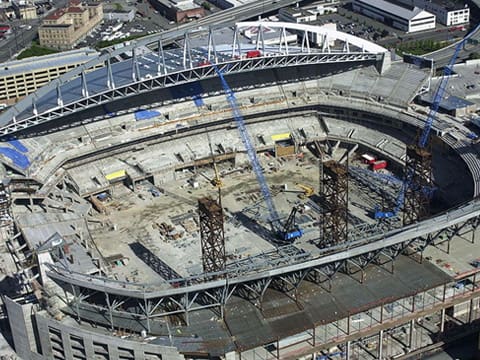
(395,9)
(57,14)
(46,61)
(449,103)
(118,11)
(296,12)
(75,9)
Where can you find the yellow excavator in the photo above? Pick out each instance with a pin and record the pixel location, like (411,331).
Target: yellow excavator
(305,193)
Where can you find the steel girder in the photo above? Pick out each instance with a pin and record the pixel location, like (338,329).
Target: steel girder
(180,77)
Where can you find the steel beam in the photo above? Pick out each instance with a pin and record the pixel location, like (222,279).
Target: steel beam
(335,198)
(212,235)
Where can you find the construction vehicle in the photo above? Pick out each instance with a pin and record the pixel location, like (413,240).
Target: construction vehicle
(425,135)
(305,193)
(291,230)
(287,232)
(215,181)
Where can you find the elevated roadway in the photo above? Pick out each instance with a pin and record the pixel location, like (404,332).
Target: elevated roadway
(442,57)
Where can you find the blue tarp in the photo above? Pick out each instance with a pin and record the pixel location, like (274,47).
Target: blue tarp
(146,114)
(18,158)
(198,100)
(18,145)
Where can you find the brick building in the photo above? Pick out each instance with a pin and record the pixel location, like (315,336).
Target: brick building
(63,28)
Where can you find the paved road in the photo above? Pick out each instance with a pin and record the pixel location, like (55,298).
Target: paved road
(20,38)
(442,57)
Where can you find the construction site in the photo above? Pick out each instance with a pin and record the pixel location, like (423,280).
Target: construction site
(245,215)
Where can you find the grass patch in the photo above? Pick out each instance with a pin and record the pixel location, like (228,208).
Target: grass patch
(36,50)
(420,47)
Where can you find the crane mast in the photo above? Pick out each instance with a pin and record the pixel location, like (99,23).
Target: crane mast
(423,140)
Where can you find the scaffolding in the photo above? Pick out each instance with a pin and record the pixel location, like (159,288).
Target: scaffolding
(418,170)
(334,186)
(212,235)
(5,202)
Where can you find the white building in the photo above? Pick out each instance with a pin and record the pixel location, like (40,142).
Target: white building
(296,15)
(408,19)
(447,12)
(119,15)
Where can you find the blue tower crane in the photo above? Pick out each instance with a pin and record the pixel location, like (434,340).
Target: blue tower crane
(437,98)
(425,135)
(289,231)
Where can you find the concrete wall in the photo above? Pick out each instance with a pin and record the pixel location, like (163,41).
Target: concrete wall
(22,329)
(61,339)
(69,341)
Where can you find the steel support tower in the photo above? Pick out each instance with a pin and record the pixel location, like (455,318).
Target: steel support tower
(212,235)
(418,171)
(5,202)
(334,186)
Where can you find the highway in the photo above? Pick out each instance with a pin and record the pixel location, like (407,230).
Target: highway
(442,56)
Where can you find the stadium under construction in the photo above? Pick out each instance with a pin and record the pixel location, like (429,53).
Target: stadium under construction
(235,198)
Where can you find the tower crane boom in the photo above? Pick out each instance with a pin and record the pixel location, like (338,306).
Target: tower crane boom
(438,96)
(284,233)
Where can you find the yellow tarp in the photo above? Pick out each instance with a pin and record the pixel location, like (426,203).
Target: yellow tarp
(279,137)
(115,175)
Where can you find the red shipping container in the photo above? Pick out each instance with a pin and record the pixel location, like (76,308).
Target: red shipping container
(380,164)
(253,54)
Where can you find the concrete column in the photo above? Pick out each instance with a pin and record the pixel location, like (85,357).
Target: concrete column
(471,310)
(88,344)
(442,321)
(112,351)
(410,334)
(380,345)
(348,350)
(67,346)
(138,353)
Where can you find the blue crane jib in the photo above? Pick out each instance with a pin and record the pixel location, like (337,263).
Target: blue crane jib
(425,135)
(438,96)
(284,233)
